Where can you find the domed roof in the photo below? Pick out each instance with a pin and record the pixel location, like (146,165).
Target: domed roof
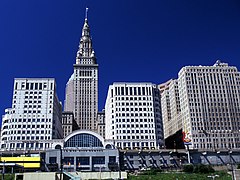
(84,139)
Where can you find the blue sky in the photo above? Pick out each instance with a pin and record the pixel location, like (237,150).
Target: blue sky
(134,40)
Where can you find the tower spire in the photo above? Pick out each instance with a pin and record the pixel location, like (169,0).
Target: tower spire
(85,46)
(86,13)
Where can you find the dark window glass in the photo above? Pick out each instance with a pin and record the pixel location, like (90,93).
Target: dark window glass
(27,86)
(83,140)
(52,160)
(112,159)
(82,161)
(98,160)
(68,161)
(31,87)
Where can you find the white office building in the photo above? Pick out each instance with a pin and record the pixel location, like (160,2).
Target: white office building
(35,116)
(133,116)
(209,98)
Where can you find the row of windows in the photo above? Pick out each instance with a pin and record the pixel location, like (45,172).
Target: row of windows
(135,131)
(133,98)
(26,145)
(35,97)
(33,106)
(34,86)
(132,91)
(135,137)
(213,128)
(217,146)
(30,101)
(34,111)
(216,114)
(212,92)
(84,73)
(133,120)
(215,140)
(134,114)
(30,132)
(134,109)
(209,69)
(28,138)
(29,126)
(30,120)
(86,81)
(133,125)
(133,104)
(135,144)
(85,68)
(67,121)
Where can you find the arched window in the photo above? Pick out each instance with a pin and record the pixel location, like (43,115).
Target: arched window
(108,146)
(83,140)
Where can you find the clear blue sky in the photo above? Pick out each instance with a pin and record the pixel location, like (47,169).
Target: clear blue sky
(134,40)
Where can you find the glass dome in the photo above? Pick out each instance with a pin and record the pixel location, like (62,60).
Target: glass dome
(83,140)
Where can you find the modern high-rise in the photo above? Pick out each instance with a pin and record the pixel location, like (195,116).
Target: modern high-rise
(133,116)
(82,87)
(35,116)
(209,106)
(171,114)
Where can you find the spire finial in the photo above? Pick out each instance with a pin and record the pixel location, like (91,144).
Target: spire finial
(86,13)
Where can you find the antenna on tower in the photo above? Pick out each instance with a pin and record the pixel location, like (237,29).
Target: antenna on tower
(86,13)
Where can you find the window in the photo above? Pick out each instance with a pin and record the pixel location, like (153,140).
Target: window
(83,161)
(98,160)
(68,161)
(83,140)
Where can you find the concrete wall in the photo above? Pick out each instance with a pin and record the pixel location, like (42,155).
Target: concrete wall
(100,175)
(38,176)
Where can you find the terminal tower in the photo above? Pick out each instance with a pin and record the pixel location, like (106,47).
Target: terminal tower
(82,88)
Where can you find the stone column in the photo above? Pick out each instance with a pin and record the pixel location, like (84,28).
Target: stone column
(90,162)
(75,163)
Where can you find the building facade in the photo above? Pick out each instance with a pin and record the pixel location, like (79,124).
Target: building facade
(35,116)
(68,123)
(82,87)
(101,123)
(84,150)
(209,106)
(171,114)
(133,116)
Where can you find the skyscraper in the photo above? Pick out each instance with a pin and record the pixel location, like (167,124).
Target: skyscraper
(82,87)
(209,106)
(133,116)
(35,116)
(171,114)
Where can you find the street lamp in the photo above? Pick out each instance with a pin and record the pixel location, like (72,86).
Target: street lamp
(61,164)
(230,159)
(3,170)
(119,170)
